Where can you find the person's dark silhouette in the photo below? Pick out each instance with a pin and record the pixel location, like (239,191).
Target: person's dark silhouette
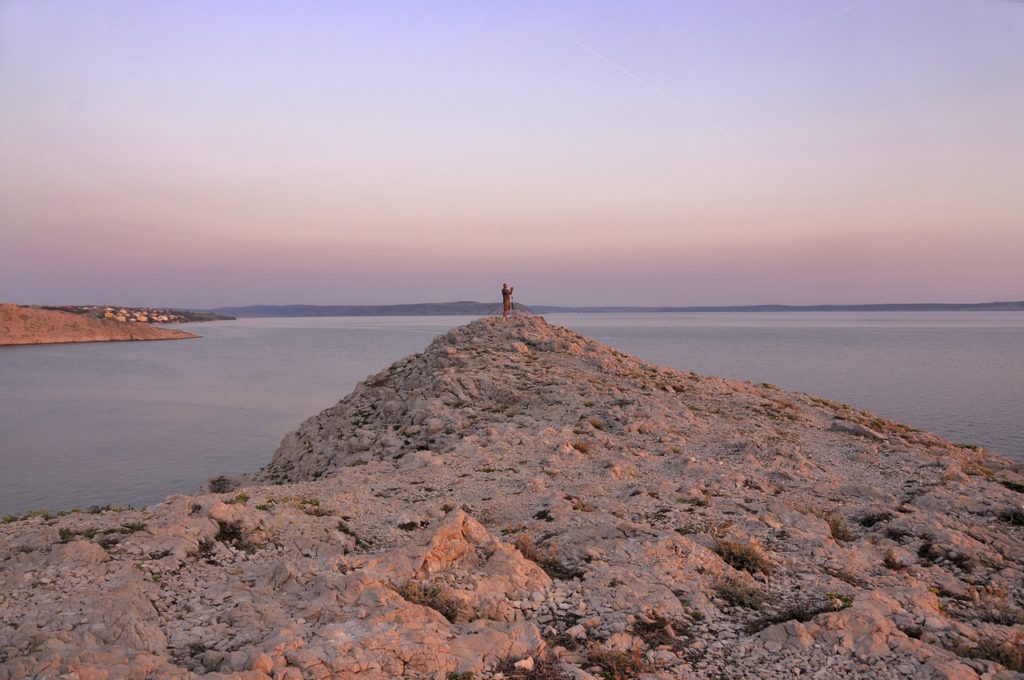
(506,299)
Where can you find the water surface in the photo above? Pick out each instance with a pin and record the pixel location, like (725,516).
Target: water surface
(128,423)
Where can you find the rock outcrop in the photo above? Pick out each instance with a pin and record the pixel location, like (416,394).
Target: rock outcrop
(520,501)
(34,326)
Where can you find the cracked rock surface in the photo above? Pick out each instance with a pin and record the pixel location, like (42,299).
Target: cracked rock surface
(520,501)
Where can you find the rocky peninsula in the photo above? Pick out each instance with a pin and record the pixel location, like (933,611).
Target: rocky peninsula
(519,501)
(34,326)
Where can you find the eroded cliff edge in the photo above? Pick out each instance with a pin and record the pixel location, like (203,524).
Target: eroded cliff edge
(519,493)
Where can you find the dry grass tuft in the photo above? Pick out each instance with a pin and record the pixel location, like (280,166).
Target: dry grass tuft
(893,562)
(840,531)
(546,556)
(545,667)
(618,665)
(581,446)
(434,595)
(739,593)
(748,557)
(1003,652)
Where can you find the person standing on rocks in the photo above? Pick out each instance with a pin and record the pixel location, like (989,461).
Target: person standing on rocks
(506,299)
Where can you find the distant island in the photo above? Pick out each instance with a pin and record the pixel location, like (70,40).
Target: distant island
(37,326)
(468,308)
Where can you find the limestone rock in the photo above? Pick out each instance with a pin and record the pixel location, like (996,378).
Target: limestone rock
(519,493)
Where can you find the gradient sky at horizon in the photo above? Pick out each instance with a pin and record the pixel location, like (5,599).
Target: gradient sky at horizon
(201,154)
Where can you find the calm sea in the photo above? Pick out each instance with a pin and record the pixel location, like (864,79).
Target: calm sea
(128,423)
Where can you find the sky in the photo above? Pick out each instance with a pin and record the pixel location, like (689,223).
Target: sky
(200,154)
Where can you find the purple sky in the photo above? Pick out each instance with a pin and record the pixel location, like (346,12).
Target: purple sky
(212,153)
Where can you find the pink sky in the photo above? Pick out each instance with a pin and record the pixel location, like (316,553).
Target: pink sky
(591,153)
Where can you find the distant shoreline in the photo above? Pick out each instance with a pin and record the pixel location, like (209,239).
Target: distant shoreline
(469,308)
(22,326)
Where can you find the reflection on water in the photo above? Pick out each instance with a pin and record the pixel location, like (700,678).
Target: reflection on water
(132,422)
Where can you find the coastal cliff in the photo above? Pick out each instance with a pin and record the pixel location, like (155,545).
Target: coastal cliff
(34,326)
(520,501)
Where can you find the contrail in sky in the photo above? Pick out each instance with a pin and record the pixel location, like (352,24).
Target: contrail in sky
(634,76)
(657,90)
(822,17)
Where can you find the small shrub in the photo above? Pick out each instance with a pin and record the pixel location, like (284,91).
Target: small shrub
(231,534)
(896,534)
(581,446)
(744,556)
(1005,653)
(871,520)
(546,556)
(843,575)
(739,593)
(893,562)
(109,541)
(409,526)
(801,611)
(618,665)
(1013,486)
(840,602)
(929,552)
(838,528)
(222,484)
(695,501)
(132,527)
(1014,516)
(963,562)
(434,595)
(712,528)
(545,667)
(581,505)
(1003,614)
(206,548)
(41,512)
(660,631)
(240,499)
(66,534)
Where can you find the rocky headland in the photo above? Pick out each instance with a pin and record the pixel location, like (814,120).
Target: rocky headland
(519,501)
(35,326)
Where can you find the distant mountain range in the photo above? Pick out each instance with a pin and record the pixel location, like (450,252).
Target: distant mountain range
(467,308)
(462,308)
(890,307)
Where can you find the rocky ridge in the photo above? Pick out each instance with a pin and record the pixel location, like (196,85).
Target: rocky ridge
(34,326)
(519,501)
